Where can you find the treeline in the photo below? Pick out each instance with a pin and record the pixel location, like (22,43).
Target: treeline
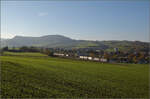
(21,49)
(27,49)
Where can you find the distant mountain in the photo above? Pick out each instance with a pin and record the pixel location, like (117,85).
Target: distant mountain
(44,41)
(55,41)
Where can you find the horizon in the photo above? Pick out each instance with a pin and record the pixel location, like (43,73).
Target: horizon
(84,20)
(74,38)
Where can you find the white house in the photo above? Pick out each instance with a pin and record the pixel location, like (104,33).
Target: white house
(89,58)
(85,57)
(58,54)
(67,55)
(81,57)
(96,59)
(103,60)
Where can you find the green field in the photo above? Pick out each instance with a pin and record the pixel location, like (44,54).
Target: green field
(26,75)
(26,54)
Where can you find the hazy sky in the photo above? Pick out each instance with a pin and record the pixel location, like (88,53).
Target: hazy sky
(92,20)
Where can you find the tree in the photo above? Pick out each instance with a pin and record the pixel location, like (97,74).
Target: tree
(106,55)
(135,59)
(91,55)
(48,52)
(130,57)
(24,48)
(1,52)
(5,48)
(141,57)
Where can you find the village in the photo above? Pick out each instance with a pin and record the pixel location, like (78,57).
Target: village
(83,57)
(89,54)
(100,56)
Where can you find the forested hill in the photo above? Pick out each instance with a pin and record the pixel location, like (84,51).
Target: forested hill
(59,41)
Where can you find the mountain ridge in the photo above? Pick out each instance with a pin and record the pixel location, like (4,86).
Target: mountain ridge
(60,41)
(70,38)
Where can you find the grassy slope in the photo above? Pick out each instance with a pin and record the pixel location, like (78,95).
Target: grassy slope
(24,54)
(45,77)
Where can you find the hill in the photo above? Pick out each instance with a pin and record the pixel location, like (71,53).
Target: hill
(44,41)
(53,41)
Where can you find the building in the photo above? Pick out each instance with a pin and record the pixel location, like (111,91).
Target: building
(96,59)
(89,58)
(103,60)
(116,49)
(58,54)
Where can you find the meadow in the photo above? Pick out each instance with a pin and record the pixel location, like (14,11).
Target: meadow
(34,75)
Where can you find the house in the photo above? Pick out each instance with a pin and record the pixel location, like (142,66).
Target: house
(58,54)
(67,55)
(96,59)
(85,57)
(81,57)
(116,49)
(89,58)
(142,61)
(103,60)
(123,59)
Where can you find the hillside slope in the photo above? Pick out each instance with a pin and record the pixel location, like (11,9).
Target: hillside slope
(44,77)
(52,41)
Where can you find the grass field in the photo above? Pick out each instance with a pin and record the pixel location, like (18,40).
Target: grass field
(46,77)
(26,54)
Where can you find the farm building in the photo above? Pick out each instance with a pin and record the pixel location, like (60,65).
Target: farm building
(58,54)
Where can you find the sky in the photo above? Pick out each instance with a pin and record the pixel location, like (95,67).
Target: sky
(86,20)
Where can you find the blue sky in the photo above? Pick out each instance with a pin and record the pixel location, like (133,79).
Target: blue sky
(89,20)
